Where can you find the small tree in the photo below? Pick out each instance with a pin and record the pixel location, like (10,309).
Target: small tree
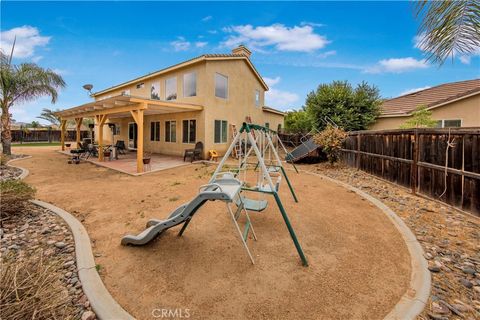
(298,121)
(34,125)
(19,84)
(421,118)
(348,107)
(331,140)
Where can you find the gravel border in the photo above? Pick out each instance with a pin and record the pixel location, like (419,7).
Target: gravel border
(102,303)
(413,302)
(25,172)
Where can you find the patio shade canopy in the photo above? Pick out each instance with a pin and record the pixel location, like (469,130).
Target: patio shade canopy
(120,107)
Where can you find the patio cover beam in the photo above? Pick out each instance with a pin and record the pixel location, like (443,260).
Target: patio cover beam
(78,122)
(100,119)
(137,115)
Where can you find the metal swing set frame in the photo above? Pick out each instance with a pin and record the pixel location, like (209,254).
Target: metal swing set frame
(259,146)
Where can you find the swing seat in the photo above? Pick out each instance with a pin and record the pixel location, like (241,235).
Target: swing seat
(255,205)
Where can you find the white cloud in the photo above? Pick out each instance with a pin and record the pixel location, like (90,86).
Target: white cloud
(278,98)
(61,72)
(28,38)
(414,90)
(207,18)
(212,31)
(464,58)
(313,24)
(200,44)
(397,65)
(37,58)
(180,44)
(327,54)
(297,38)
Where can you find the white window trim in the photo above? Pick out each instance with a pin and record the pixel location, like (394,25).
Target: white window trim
(183,85)
(176,88)
(196,123)
(443,122)
(215,85)
(220,132)
(176,131)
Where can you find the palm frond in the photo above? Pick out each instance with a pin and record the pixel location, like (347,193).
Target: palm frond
(448,28)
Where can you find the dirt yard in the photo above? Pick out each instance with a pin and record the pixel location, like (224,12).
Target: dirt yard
(359,264)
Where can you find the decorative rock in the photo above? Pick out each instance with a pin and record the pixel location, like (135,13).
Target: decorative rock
(466,283)
(88,315)
(60,245)
(434,268)
(436,316)
(68,264)
(468,270)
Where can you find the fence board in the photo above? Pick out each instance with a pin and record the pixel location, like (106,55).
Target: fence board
(417,159)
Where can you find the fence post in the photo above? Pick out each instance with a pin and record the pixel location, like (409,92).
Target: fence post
(414,168)
(358,151)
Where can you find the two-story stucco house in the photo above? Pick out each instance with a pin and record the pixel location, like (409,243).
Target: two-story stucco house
(169,110)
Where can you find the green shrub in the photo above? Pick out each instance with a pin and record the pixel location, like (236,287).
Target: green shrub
(331,140)
(14,197)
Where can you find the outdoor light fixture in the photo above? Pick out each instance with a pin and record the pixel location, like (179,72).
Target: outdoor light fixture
(88,87)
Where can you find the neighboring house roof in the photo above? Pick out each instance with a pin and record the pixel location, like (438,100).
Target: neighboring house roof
(205,57)
(272,110)
(431,97)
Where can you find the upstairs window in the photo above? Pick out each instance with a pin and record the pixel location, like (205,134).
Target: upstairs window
(221,86)
(141,85)
(155,91)
(257,98)
(155,131)
(190,84)
(171,88)
(170,131)
(189,131)
(220,134)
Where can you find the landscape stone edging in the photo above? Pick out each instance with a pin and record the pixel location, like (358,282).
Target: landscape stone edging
(102,303)
(413,302)
(25,172)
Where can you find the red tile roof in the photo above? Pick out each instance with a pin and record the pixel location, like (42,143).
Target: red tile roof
(430,97)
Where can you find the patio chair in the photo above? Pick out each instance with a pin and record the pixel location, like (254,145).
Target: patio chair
(195,152)
(120,146)
(92,151)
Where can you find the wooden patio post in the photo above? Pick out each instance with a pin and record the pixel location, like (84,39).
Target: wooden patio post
(100,119)
(138,117)
(63,124)
(78,122)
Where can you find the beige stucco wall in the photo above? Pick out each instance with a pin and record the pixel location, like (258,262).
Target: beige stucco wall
(467,110)
(239,104)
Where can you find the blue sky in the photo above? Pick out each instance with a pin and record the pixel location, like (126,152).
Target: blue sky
(296,46)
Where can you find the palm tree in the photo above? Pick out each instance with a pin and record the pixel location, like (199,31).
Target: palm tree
(448,28)
(49,115)
(22,83)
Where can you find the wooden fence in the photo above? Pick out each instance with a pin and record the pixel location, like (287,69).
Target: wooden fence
(419,158)
(46,135)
